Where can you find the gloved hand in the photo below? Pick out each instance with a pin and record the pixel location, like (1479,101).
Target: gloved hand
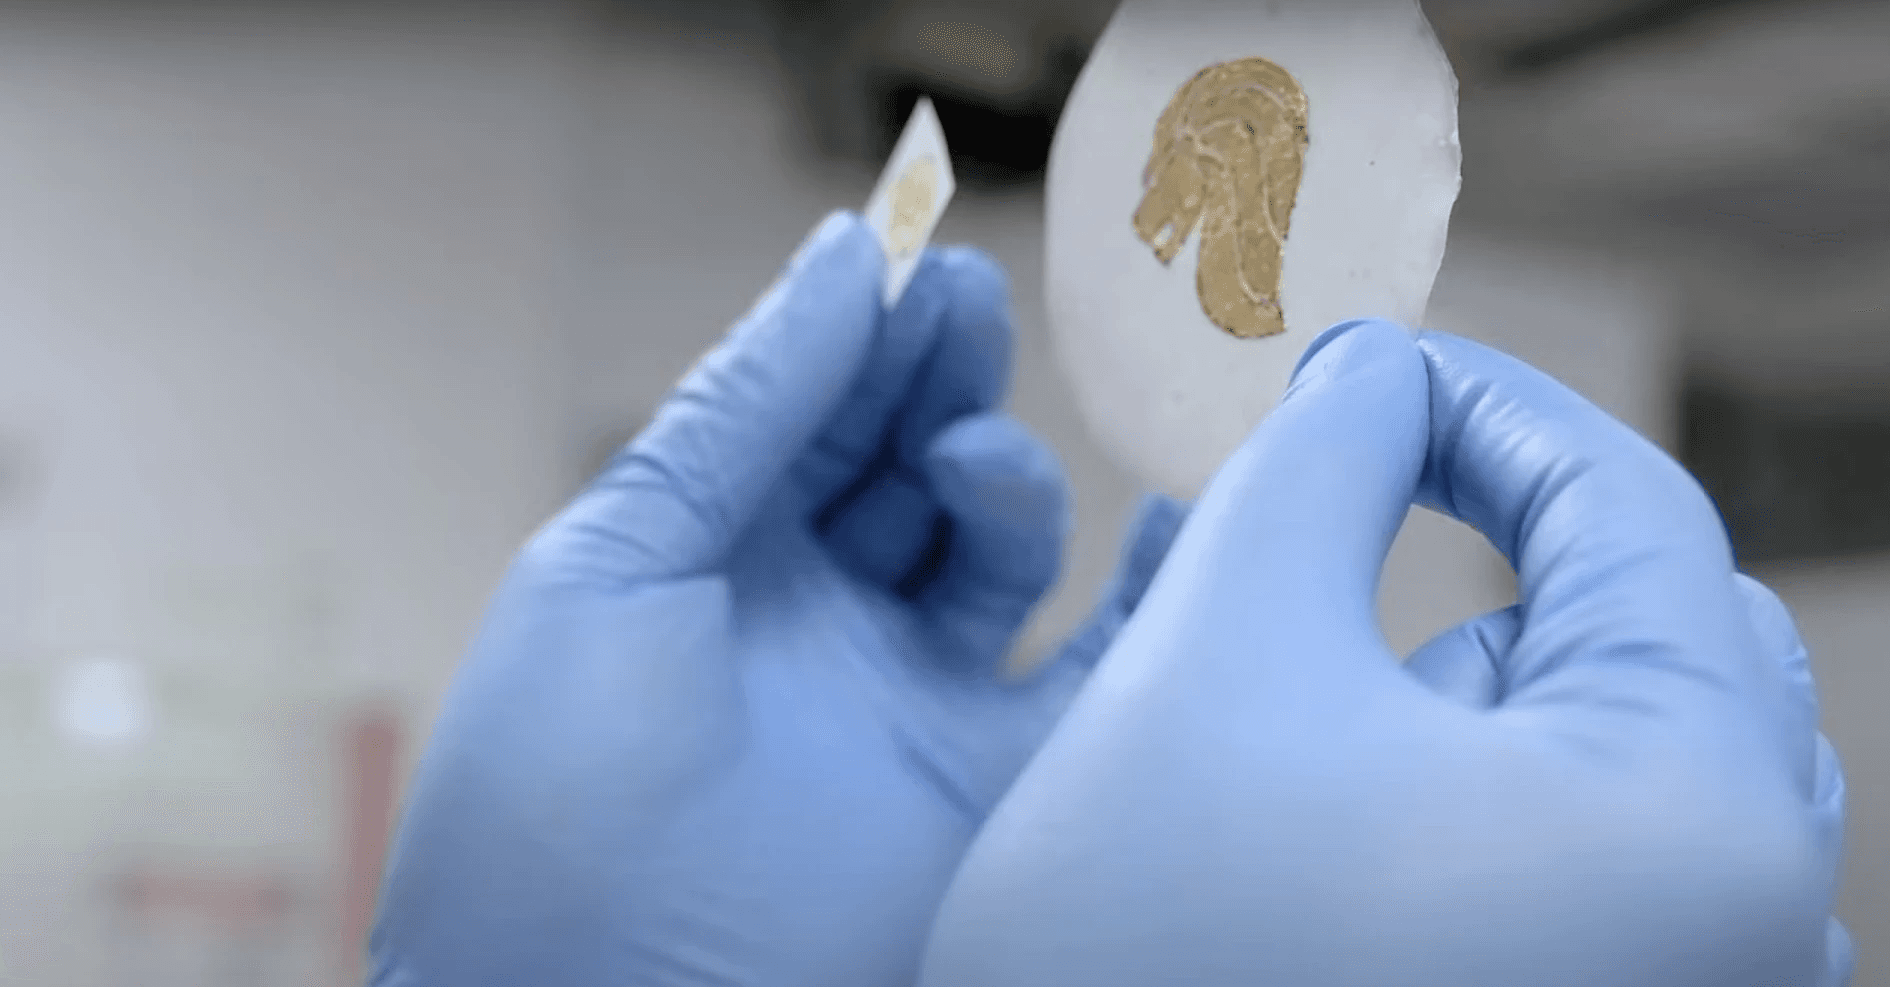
(1618,781)
(736,713)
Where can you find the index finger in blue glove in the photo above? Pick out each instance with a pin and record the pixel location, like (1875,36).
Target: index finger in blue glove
(1009,504)
(673,501)
(1461,663)
(866,474)
(945,351)
(1624,570)
(1464,663)
(1277,568)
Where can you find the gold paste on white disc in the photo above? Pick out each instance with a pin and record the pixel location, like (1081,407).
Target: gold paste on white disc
(1227,160)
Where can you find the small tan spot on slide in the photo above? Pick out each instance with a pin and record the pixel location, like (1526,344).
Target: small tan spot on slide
(912,198)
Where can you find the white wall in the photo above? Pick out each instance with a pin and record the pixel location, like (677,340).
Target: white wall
(280,311)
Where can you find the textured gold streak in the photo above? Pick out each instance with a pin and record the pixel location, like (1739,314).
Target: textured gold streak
(1229,152)
(912,198)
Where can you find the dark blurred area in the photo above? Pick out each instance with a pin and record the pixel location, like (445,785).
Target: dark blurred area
(313,311)
(1802,478)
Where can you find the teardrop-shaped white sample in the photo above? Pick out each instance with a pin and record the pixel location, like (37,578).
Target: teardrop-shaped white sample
(1166,385)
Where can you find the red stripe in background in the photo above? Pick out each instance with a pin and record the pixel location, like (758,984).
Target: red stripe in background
(371,741)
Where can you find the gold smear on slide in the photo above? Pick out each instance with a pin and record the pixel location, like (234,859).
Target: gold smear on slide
(912,198)
(1229,152)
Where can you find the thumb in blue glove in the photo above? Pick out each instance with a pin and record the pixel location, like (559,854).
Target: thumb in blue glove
(735,713)
(1618,781)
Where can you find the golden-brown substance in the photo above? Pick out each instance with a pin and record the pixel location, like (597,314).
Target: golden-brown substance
(912,198)
(1228,155)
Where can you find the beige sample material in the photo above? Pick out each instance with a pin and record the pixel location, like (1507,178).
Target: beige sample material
(912,198)
(909,198)
(1228,155)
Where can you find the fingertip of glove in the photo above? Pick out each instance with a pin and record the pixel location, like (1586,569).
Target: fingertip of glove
(842,237)
(980,438)
(1828,787)
(1347,348)
(973,264)
(1326,338)
(1840,954)
(1770,618)
(992,463)
(1157,519)
(977,286)
(1160,506)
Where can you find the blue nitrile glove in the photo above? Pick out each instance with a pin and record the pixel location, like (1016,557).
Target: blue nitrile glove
(1619,781)
(736,713)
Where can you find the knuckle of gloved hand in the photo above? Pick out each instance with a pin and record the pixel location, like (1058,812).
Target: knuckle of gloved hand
(1769,615)
(605,538)
(974,270)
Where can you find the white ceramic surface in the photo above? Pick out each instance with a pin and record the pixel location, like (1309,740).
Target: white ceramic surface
(1164,390)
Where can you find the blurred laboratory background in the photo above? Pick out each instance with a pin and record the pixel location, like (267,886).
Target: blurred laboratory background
(311,312)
